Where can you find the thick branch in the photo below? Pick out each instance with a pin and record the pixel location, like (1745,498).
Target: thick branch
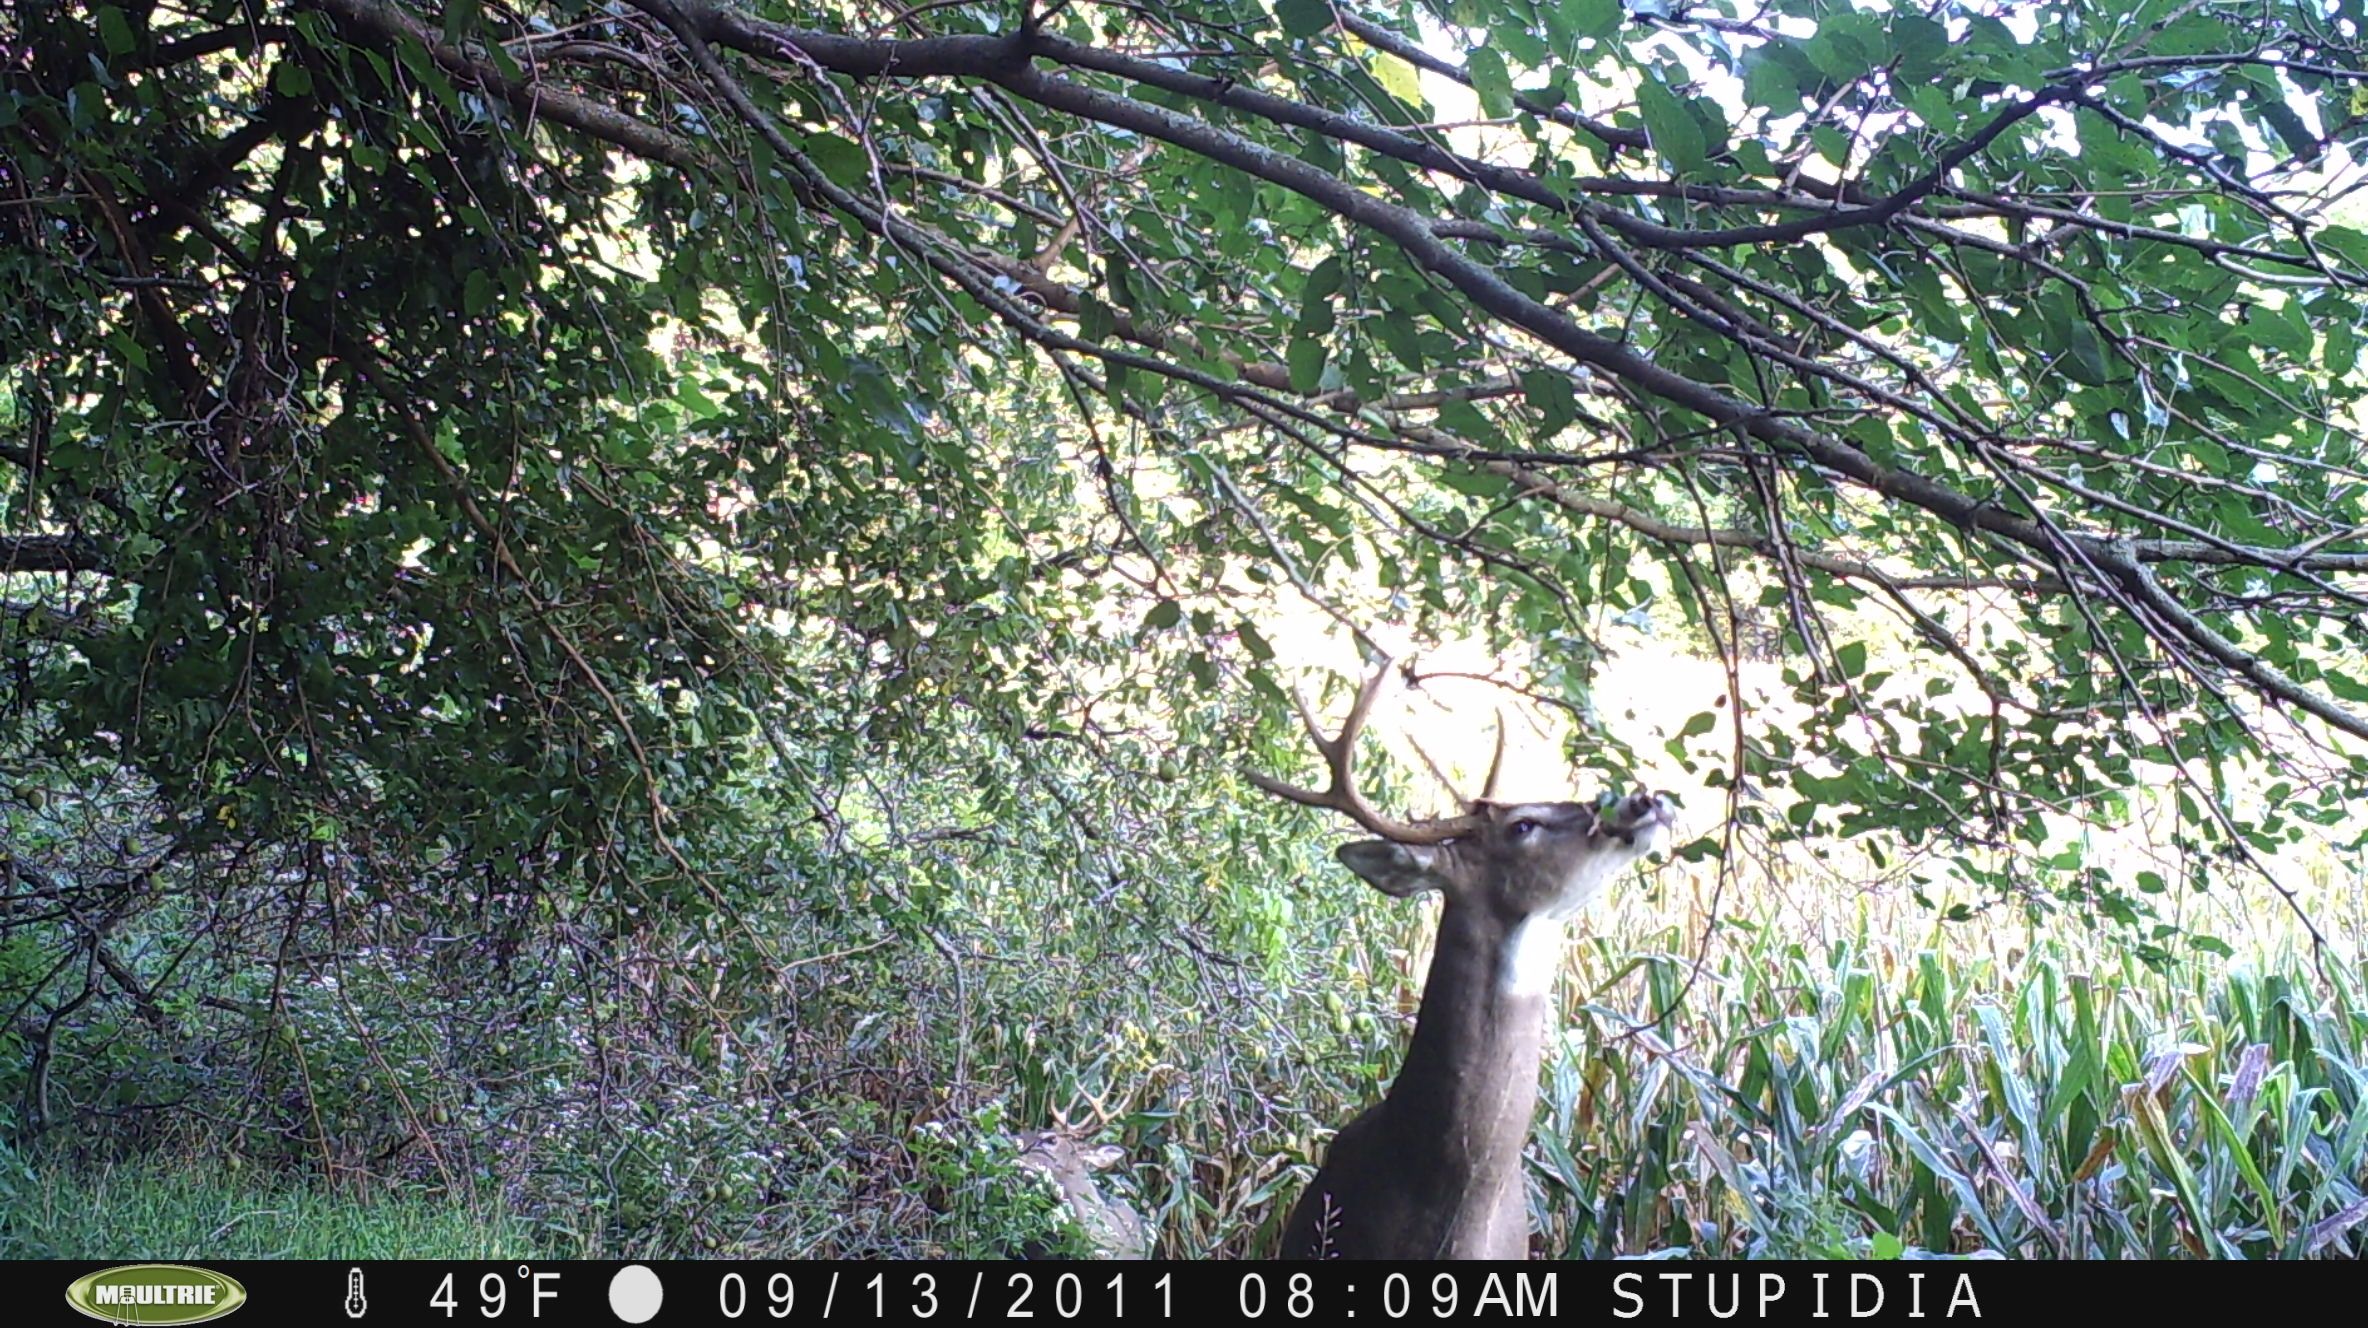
(1663,531)
(389,23)
(242,37)
(51,553)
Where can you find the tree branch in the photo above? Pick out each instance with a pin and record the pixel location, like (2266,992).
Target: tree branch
(51,553)
(1006,61)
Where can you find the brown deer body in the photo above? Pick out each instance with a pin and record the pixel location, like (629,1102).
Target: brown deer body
(1434,1170)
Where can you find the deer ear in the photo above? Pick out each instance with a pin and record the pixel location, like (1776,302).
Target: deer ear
(1402,870)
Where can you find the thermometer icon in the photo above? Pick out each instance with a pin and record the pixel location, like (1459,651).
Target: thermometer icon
(354,1304)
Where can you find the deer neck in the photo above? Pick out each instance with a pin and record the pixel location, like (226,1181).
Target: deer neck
(1470,1082)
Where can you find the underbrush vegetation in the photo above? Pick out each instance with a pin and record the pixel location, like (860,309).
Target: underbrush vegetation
(1842,1075)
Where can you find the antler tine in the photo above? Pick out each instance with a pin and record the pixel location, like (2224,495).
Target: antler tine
(1308,720)
(1340,755)
(1103,1112)
(1496,763)
(1343,750)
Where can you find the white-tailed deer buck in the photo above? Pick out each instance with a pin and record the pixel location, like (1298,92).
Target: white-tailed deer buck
(1111,1227)
(1434,1170)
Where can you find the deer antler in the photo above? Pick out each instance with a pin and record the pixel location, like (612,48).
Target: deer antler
(1340,755)
(1496,763)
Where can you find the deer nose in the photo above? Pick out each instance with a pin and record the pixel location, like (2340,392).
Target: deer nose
(1643,807)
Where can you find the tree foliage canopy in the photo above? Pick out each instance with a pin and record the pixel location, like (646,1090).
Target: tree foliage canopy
(502,419)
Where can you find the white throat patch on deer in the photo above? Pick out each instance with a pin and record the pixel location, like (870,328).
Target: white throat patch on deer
(1618,836)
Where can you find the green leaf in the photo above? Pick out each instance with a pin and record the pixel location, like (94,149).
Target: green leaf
(1491,80)
(115,31)
(2086,361)
(1316,316)
(1588,18)
(697,405)
(461,18)
(1096,321)
(1464,420)
(842,159)
(1254,641)
(1550,394)
(2342,350)
(2351,245)
(1846,45)
(477,293)
(1400,333)
(1397,77)
(448,441)
(2284,327)
(1919,44)
(1306,356)
(1303,18)
(1670,124)
(1770,83)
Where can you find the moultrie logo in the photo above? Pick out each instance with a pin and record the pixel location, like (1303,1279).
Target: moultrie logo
(147,1293)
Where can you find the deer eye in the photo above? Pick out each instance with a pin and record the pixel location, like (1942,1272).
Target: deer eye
(1521,828)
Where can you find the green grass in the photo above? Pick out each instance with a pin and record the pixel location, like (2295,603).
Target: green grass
(1853,1098)
(161,1211)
